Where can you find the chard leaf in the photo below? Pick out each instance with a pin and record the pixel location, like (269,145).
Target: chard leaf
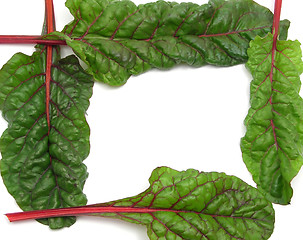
(47,136)
(273,144)
(196,205)
(189,205)
(117,39)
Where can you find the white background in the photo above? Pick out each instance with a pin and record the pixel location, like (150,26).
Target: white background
(182,118)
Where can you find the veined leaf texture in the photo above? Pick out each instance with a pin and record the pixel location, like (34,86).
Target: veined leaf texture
(41,162)
(117,39)
(195,205)
(189,205)
(273,144)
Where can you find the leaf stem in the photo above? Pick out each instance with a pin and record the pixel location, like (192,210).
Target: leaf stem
(49,10)
(29,39)
(74,211)
(277,15)
(275,31)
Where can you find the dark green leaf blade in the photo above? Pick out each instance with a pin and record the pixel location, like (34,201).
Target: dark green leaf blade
(272,146)
(41,167)
(196,205)
(117,39)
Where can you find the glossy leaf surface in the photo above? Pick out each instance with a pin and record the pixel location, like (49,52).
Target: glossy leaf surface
(196,205)
(41,162)
(117,39)
(273,144)
(187,205)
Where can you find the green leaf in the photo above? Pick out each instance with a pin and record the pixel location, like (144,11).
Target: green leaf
(196,205)
(273,144)
(42,164)
(117,39)
(189,205)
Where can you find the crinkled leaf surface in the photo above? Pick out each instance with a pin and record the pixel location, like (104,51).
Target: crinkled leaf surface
(42,165)
(117,38)
(273,144)
(196,205)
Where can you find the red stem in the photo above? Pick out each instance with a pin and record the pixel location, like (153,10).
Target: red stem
(22,39)
(86,210)
(49,59)
(275,31)
(49,9)
(277,15)
(49,16)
